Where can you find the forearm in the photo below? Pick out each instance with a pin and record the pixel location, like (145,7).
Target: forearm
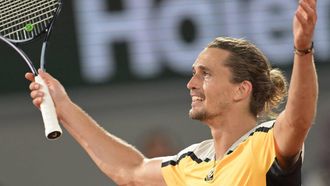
(293,124)
(303,92)
(114,157)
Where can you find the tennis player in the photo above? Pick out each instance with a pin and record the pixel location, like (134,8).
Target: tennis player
(232,86)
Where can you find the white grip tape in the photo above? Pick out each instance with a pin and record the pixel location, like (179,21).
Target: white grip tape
(52,127)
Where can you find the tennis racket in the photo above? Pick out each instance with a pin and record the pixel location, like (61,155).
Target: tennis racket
(22,21)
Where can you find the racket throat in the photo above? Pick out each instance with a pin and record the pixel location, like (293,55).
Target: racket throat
(22,54)
(43,56)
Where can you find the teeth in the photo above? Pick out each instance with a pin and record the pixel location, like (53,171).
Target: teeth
(195,98)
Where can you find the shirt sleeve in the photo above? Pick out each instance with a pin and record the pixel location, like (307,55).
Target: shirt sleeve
(173,167)
(172,172)
(264,151)
(290,177)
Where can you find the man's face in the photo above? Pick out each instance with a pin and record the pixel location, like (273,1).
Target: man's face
(210,86)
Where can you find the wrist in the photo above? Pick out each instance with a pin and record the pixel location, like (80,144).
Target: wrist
(62,107)
(304,51)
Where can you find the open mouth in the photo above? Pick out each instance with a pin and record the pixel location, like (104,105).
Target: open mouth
(196,100)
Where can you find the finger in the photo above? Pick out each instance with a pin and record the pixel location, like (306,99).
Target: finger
(35,94)
(34,86)
(312,3)
(36,102)
(29,76)
(310,12)
(301,19)
(45,75)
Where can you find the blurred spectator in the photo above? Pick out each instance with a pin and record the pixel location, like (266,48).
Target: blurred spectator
(159,142)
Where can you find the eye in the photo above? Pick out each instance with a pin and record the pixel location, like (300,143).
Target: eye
(206,73)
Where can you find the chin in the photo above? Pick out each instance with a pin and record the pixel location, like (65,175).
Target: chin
(197,115)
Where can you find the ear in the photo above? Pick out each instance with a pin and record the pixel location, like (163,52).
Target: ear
(243,90)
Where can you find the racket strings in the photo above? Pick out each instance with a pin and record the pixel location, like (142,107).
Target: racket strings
(25,19)
(19,11)
(36,20)
(12,6)
(26,12)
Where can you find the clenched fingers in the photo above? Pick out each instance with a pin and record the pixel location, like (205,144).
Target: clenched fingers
(309,11)
(34,86)
(35,94)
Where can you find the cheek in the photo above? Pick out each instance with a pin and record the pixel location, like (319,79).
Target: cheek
(219,95)
(213,95)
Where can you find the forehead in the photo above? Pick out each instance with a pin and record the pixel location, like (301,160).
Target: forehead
(211,58)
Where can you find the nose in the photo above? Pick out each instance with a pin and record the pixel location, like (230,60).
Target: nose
(192,83)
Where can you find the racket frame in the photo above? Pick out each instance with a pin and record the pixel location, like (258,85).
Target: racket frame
(52,129)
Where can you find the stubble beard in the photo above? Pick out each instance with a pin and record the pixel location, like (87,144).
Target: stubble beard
(198,115)
(202,114)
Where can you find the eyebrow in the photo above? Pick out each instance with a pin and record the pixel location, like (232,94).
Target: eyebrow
(202,67)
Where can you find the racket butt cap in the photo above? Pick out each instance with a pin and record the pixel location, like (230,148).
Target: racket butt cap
(54,135)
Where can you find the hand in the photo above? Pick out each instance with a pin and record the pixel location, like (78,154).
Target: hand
(56,90)
(304,24)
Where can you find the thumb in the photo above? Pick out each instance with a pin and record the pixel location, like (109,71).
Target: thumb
(45,76)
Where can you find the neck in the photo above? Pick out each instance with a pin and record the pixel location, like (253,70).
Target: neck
(227,130)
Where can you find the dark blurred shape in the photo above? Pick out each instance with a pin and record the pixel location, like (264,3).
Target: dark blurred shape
(320,176)
(159,142)
(325,166)
(188,30)
(115,5)
(121,52)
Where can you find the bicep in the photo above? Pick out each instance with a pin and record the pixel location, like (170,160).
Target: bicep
(150,173)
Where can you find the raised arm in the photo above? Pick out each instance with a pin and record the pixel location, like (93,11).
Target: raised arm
(120,161)
(294,122)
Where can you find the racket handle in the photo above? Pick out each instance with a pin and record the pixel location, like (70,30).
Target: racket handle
(52,127)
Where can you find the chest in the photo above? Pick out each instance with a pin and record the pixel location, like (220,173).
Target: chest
(236,169)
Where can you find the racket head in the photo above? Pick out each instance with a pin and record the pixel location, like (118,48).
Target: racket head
(24,20)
